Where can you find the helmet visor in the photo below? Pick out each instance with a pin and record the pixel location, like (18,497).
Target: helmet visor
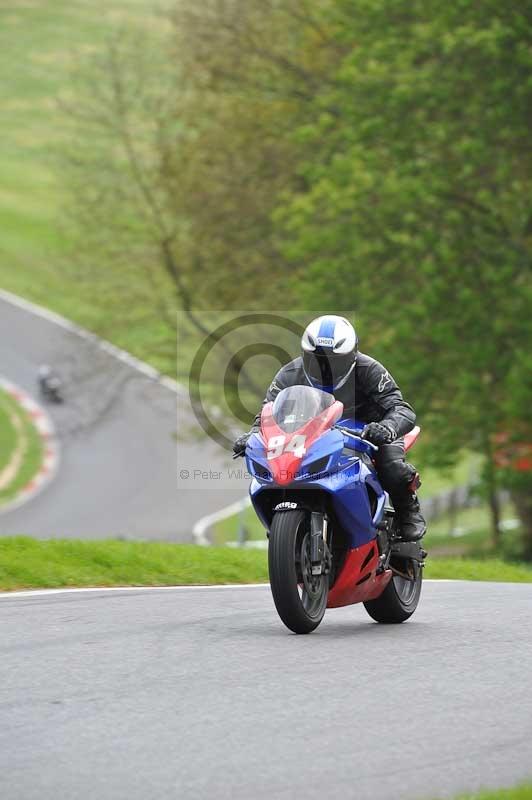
(327,369)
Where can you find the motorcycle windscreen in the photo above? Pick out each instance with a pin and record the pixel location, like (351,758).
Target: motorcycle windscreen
(297,405)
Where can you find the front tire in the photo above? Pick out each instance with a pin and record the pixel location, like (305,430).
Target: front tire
(399,600)
(299,597)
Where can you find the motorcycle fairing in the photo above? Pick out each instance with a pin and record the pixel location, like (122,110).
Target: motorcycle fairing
(286,466)
(345,481)
(358,580)
(410,438)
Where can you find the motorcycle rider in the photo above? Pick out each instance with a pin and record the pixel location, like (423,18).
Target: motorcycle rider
(49,383)
(331,361)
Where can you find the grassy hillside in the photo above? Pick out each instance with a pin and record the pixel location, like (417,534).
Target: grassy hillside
(41,42)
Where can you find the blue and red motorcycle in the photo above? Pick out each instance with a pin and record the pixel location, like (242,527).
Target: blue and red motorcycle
(332,535)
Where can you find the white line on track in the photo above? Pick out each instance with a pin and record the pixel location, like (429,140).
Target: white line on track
(103,344)
(41,592)
(193,587)
(199,531)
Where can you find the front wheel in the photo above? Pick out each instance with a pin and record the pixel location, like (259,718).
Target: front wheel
(300,597)
(400,598)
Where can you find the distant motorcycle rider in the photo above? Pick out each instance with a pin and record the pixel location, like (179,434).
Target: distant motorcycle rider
(331,361)
(49,383)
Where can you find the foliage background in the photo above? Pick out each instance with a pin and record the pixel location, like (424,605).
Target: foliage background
(310,156)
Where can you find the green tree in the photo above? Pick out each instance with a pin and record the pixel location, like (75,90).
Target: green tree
(252,70)
(119,219)
(416,209)
(366,154)
(180,151)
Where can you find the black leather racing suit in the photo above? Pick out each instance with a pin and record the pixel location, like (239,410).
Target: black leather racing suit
(369,395)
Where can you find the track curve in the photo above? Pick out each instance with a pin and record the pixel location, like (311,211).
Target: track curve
(118,429)
(201,692)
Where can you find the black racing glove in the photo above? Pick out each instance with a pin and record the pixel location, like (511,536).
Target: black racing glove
(239,446)
(379,433)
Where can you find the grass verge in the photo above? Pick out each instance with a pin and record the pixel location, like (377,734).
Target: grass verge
(470,569)
(30,563)
(21,449)
(8,434)
(521,792)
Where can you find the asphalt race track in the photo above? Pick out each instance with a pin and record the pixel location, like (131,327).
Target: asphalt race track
(124,438)
(201,692)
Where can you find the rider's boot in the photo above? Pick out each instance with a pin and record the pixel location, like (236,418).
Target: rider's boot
(410,521)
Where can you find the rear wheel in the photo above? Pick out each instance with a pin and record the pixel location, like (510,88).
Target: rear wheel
(400,598)
(300,597)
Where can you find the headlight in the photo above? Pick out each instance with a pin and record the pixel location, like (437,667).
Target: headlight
(316,467)
(260,471)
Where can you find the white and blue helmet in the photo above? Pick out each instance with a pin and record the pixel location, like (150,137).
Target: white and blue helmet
(329,348)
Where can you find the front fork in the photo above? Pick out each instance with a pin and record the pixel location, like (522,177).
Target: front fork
(320,555)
